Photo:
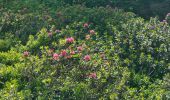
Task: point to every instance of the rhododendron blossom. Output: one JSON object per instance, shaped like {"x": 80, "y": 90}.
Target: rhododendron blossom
{"x": 63, "y": 53}
{"x": 26, "y": 53}
{"x": 72, "y": 52}
{"x": 92, "y": 32}
{"x": 86, "y": 25}
{"x": 93, "y": 75}
{"x": 70, "y": 40}
{"x": 80, "y": 48}
{"x": 56, "y": 56}
{"x": 87, "y": 58}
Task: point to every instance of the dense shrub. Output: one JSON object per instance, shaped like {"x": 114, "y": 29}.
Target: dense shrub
{"x": 87, "y": 68}
{"x": 144, "y": 47}
{"x": 166, "y": 85}
{"x": 74, "y": 52}
{"x": 7, "y": 40}
{"x": 24, "y": 23}
{"x": 21, "y": 25}
{"x": 96, "y": 16}
{"x": 144, "y": 8}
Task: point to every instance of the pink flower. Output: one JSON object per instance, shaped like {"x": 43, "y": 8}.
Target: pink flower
{"x": 80, "y": 48}
{"x": 63, "y": 53}
{"x": 26, "y": 53}
{"x": 72, "y": 52}
{"x": 93, "y": 75}
{"x": 55, "y": 56}
{"x": 92, "y": 32}
{"x": 87, "y": 58}
{"x": 50, "y": 34}
{"x": 70, "y": 40}
{"x": 86, "y": 25}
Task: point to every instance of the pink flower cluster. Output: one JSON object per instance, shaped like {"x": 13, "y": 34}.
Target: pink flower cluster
{"x": 92, "y": 32}
{"x": 72, "y": 53}
{"x": 87, "y": 58}
{"x": 26, "y": 53}
{"x": 80, "y": 48}
{"x": 86, "y": 25}
{"x": 92, "y": 75}
{"x": 70, "y": 40}
{"x": 56, "y": 56}
{"x": 69, "y": 52}
{"x": 63, "y": 53}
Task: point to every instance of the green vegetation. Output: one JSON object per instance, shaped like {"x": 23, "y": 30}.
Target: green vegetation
{"x": 144, "y": 8}
{"x": 58, "y": 50}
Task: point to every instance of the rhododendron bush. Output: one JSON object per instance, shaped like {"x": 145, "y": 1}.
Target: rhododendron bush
{"x": 93, "y": 56}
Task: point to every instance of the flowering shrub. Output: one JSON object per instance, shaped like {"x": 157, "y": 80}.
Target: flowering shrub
{"x": 89, "y": 68}
{"x": 70, "y": 40}
{"x": 100, "y": 54}
{"x": 55, "y": 56}
{"x": 87, "y": 58}
{"x": 22, "y": 24}
{"x": 26, "y": 54}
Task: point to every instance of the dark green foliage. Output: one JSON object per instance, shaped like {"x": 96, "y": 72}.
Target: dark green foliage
{"x": 22, "y": 24}
{"x": 145, "y": 8}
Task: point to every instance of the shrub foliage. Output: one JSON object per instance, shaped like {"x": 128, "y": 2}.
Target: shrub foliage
{"x": 79, "y": 53}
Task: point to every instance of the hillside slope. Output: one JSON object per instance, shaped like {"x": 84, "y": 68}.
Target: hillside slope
{"x": 83, "y": 53}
